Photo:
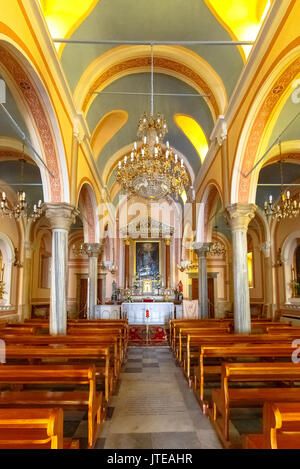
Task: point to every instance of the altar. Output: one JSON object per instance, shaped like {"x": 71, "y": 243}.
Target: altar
{"x": 159, "y": 313}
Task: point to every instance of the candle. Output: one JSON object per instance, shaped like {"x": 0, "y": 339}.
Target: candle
{"x": 135, "y": 145}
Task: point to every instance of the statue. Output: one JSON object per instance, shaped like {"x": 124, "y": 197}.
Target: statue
{"x": 180, "y": 291}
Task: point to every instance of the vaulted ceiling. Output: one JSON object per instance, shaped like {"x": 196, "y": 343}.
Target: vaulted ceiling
{"x": 178, "y": 69}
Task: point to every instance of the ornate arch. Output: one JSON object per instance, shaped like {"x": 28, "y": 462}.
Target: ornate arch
{"x": 210, "y": 197}
{"x": 176, "y": 61}
{"x": 87, "y": 204}
{"x": 39, "y": 115}
{"x": 249, "y": 148}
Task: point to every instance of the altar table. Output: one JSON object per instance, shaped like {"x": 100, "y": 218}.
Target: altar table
{"x": 159, "y": 313}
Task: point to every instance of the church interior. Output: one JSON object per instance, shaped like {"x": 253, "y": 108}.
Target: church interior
{"x": 149, "y": 224}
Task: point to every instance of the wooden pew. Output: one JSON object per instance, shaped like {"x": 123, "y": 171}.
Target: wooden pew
{"x": 18, "y": 329}
{"x": 195, "y": 341}
{"x": 205, "y": 331}
{"x": 247, "y": 373}
{"x": 54, "y": 375}
{"x": 283, "y": 329}
{"x": 281, "y": 427}
{"x": 70, "y": 340}
{"x": 202, "y": 323}
{"x": 114, "y": 334}
{"x": 33, "y": 429}
{"x": 254, "y": 351}
{"x": 57, "y": 354}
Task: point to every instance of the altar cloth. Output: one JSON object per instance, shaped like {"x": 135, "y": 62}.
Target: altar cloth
{"x": 159, "y": 313}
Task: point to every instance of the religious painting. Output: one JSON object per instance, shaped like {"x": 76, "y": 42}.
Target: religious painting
{"x": 147, "y": 259}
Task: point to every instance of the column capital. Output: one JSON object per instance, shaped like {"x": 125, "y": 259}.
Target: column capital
{"x": 201, "y": 249}
{"x": 60, "y": 215}
{"x": 266, "y": 248}
{"x": 167, "y": 241}
{"x": 93, "y": 249}
{"x": 241, "y": 215}
{"x": 127, "y": 241}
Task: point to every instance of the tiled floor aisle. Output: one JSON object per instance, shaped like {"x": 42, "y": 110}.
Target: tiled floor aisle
{"x": 154, "y": 408}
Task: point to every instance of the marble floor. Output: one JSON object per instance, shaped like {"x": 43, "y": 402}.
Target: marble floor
{"x": 153, "y": 408}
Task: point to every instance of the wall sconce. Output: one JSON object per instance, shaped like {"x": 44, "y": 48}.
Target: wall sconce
{"x": 17, "y": 262}
{"x": 278, "y": 261}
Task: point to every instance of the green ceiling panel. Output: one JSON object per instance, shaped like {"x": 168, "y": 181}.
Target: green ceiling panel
{"x": 152, "y": 20}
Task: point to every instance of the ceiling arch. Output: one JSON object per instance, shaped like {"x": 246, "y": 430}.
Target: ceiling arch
{"x": 107, "y": 127}
{"x": 175, "y": 61}
{"x": 195, "y": 107}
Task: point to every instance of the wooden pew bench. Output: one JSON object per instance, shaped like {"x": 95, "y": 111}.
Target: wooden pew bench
{"x": 33, "y": 429}
{"x": 192, "y": 323}
{"x": 62, "y": 354}
{"x": 49, "y": 375}
{"x": 233, "y": 353}
{"x": 203, "y": 331}
{"x": 281, "y": 427}
{"x": 195, "y": 342}
{"x": 70, "y": 340}
{"x": 107, "y": 336}
{"x": 251, "y": 395}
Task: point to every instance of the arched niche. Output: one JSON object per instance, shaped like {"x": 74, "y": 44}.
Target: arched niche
{"x": 288, "y": 252}
{"x": 8, "y": 256}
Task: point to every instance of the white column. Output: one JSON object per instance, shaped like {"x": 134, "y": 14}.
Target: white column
{"x": 61, "y": 216}
{"x": 268, "y": 277}
{"x": 201, "y": 250}
{"x": 92, "y": 250}
{"x": 27, "y": 279}
{"x": 241, "y": 215}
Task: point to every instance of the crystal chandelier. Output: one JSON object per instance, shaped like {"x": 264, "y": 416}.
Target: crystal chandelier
{"x": 288, "y": 207}
{"x": 21, "y": 208}
{"x": 152, "y": 170}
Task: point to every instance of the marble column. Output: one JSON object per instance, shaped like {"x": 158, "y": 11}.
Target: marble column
{"x": 61, "y": 216}
{"x": 27, "y": 280}
{"x": 93, "y": 251}
{"x": 240, "y": 216}
{"x": 201, "y": 250}
{"x": 127, "y": 273}
{"x": 268, "y": 278}
{"x": 168, "y": 267}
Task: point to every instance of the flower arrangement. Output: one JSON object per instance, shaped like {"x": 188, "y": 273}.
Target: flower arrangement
{"x": 2, "y": 289}
{"x": 296, "y": 287}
